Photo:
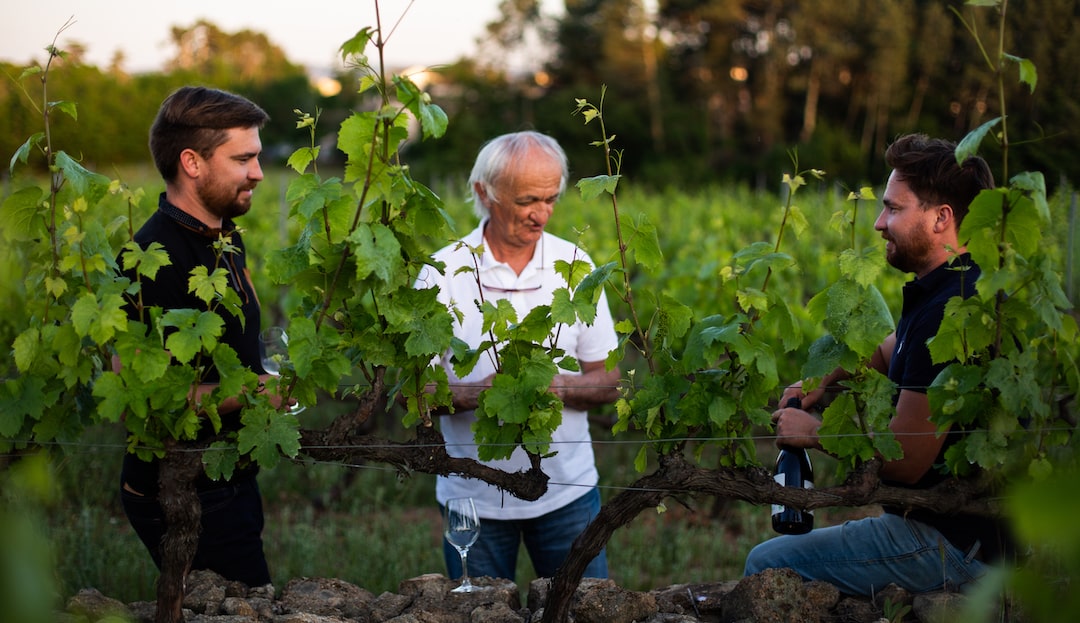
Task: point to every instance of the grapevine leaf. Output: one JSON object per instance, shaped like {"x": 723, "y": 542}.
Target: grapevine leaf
{"x": 1034, "y": 184}
{"x": 863, "y": 268}
{"x": 572, "y": 272}
{"x": 357, "y": 44}
{"x": 592, "y": 187}
{"x": 641, "y": 460}
{"x": 825, "y": 355}
{"x": 797, "y": 220}
{"x": 535, "y": 326}
{"x": 781, "y": 321}
{"x": 22, "y": 154}
{"x": 145, "y": 263}
{"x": 20, "y": 213}
{"x": 498, "y": 317}
{"x": 587, "y": 294}
{"x": 109, "y": 389}
{"x": 27, "y": 349}
{"x": 674, "y": 319}
{"x": 430, "y": 328}
{"x": 377, "y": 252}
{"x": 307, "y": 194}
{"x": 267, "y": 434}
{"x": 220, "y": 460}
{"x": 969, "y": 146}
{"x": 497, "y": 439}
{"x": 840, "y": 433}
{"x": 433, "y": 119}
{"x": 643, "y": 242}
{"x": 91, "y": 186}
{"x": 705, "y": 336}
{"x": 66, "y": 107}
{"x": 23, "y": 396}
{"x": 206, "y": 286}
{"x": 562, "y": 308}
{"x": 1028, "y": 74}
{"x": 302, "y": 158}
{"x": 855, "y": 315}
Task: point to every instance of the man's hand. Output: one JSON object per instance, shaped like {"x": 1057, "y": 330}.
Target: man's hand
{"x": 796, "y": 428}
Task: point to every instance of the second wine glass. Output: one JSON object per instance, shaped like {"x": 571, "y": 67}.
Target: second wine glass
{"x": 461, "y": 526}
{"x": 275, "y": 353}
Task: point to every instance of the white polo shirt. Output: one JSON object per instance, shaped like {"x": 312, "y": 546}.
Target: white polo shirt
{"x": 572, "y": 471}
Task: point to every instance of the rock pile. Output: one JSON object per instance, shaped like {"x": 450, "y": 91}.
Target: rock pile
{"x": 773, "y": 596}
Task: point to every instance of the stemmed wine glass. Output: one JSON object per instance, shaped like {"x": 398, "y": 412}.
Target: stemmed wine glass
{"x": 461, "y": 526}
{"x": 275, "y": 352}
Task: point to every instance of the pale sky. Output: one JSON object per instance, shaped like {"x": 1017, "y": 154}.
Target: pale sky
{"x": 310, "y": 31}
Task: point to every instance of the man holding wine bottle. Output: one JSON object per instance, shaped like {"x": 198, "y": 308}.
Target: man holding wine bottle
{"x": 515, "y": 182}
{"x": 205, "y": 143}
{"x": 925, "y": 199}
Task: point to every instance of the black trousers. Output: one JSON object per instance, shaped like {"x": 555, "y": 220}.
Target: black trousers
{"x": 230, "y": 540}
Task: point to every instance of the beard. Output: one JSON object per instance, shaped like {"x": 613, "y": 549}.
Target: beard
{"x": 225, "y": 200}
{"x": 910, "y": 254}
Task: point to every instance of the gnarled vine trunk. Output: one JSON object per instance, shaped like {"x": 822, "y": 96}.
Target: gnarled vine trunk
{"x": 179, "y": 501}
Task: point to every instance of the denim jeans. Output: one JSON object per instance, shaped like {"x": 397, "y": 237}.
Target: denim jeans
{"x": 863, "y": 556}
{"x": 230, "y": 538}
{"x": 547, "y": 539}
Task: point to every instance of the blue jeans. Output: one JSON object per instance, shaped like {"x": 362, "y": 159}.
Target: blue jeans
{"x": 230, "y": 538}
{"x": 864, "y": 556}
{"x": 547, "y": 539}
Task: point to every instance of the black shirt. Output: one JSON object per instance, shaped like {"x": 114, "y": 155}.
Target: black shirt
{"x": 190, "y": 243}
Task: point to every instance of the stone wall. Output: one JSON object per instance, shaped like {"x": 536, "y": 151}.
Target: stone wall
{"x": 773, "y": 596}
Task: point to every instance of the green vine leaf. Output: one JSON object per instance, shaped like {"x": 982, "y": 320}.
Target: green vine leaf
{"x": 90, "y": 186}
{"x": 593, "y": 187}
{"x": 268, "y": 434}
{"x": 20, "y": 214}
{"x": 22, "y": 154}
{"x": 969, "y": 146}
{"x": 1028, "y": 74}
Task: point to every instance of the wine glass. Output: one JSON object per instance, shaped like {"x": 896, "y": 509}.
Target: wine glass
{"x": 461, "y": 526}
{"x": 275, "y": 353}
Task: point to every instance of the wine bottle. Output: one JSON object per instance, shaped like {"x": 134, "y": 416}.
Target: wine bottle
{"x": 793, "y": 469}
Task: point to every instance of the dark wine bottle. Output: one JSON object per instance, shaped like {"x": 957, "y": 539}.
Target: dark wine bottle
{"x": 793, "y": 469}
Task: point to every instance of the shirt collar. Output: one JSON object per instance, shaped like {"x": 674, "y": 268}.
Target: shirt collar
{"x": 189, "y": 222}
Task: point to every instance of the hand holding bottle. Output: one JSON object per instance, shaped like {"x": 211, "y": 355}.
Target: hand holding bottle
{"x": 793, "y": 469}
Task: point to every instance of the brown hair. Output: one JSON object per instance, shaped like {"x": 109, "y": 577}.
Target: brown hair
{"x": 198, "y": 118}
{"x": 929, "y": 167}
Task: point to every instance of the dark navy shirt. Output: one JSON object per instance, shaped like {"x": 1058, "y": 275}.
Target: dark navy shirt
{"x": 912, "y": 369}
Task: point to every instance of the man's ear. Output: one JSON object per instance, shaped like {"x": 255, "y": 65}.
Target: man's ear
{"x": 944, "y": 218}
{"x": 190, "y": 162}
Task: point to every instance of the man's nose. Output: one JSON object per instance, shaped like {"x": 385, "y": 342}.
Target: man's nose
{"x": 256, "y": 172}
{"x": 879, "y": 224}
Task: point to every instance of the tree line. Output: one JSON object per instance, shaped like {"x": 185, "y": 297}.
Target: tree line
{"x": 704, "y": 91}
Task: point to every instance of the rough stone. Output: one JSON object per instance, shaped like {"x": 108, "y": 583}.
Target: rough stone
{"x": 938, "y": 607}
{"x": 90, "y": 603}
{"x": 389, "y": 605}
{"x": 327, "y": 597}
{"x": 851, "y": 610}
{"x": 606, "y": 602}
{"x": 495, "y": 613}
{"x": 772, "y": 596}
{"x": 205, "y": 591}
{"x": 696, "y": 599}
